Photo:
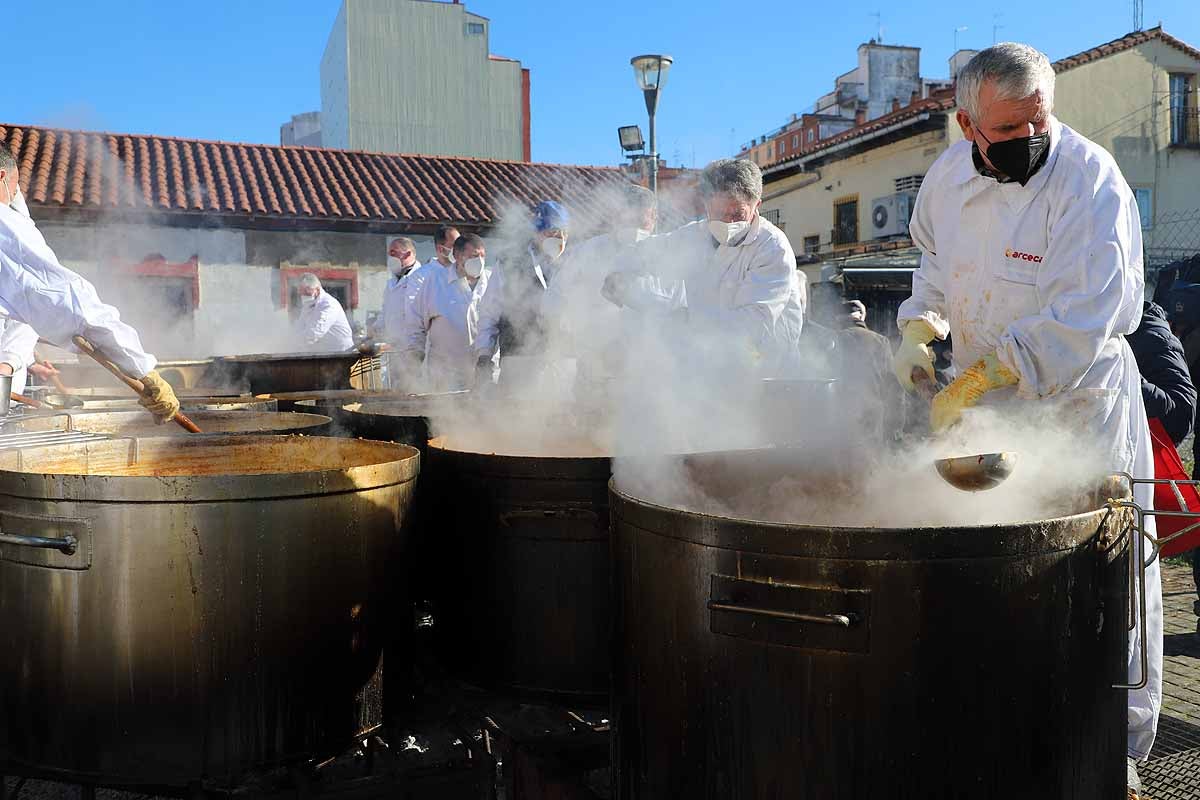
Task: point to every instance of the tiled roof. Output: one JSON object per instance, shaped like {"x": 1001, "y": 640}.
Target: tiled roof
{"x": 941, "y": 100}
{"x": 83, "y": 173}
{"x": 1126, "y": 42}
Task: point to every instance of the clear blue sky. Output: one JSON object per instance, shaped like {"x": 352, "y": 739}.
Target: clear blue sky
{"x": 235, "y": 70}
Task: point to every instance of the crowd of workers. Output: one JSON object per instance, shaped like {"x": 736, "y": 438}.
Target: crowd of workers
{"x": 1031, "y": 259}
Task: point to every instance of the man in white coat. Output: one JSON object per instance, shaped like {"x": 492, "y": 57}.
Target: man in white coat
{"x": 1031, "y": 256}
{"x": 322, "y": 326}
{"x": 733, "y": 274}
{"x": 58, "y": 303}
{"x": 450, "y": 323}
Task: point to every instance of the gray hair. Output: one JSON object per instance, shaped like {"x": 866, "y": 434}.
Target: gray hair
{"x": 7, "y": 160}
{"x": 1018, "y": 71}
{"x": 310, "y": 280}
{"x": 733, "y": 176}
{"x": 639, "y": 198}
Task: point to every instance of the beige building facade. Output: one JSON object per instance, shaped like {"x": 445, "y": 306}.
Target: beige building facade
{"x": 1135, "y": 96}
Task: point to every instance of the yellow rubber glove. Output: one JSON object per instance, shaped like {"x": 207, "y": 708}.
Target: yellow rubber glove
{"x": 982, "y": 377}
{"x": 159, "y": 398}
{"x": 914, "y": 352}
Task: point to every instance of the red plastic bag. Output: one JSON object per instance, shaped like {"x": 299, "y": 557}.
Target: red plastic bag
{"x": 1168, "y": 465}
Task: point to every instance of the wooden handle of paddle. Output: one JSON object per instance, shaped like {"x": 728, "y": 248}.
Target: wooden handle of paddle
{"x": 924, "y": 384}
{"x": 133, "y": 383}
{"x": 29, "y": 401}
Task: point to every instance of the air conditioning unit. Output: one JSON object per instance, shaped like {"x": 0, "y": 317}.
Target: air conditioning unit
{"x": 890, "y": 215}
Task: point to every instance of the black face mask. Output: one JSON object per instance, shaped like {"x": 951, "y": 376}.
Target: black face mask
{"x": 1018, "y": 159}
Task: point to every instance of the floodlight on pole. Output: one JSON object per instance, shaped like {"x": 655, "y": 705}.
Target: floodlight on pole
{"x": 630, "y": 137}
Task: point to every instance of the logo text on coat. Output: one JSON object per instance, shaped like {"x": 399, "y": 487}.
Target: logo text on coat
{"x": 1010, "y": 253}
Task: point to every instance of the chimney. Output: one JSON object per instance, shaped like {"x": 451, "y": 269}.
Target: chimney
{"x": 915, "y": 97}
{"x": 895, "y": 105}
{"x": 860, "y": 117}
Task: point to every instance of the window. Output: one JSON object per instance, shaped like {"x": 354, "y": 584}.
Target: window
{"x": 812, "y": 243}
{"x": 910, "y": 183}
{"x": 795, "y": 141}
{"x": 474, "y": 29}
{"x": 845, "y": 221}
{"x": 1184, "y": 118}
{"x": 773, "y": 216}
{"x": 812, "y": 134}
{"x": 1145, "y": 204}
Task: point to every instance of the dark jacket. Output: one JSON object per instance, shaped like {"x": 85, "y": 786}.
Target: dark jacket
{"x": 1167, "y": 388}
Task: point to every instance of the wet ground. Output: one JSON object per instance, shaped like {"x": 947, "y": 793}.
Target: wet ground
{"x": 531, "y": 752}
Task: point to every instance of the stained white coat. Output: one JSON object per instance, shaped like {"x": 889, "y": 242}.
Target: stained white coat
{"x": 1049, "y": 276}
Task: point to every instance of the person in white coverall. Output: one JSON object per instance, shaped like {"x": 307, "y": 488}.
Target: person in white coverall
{"x": 733, "y": 274}
{"x": 37, "y": 290}
{"x": 1031, "y": 256}
{"x": 450, "y": 321}
{"x": 406, "y": 275}
{"x": 322, "y": 326}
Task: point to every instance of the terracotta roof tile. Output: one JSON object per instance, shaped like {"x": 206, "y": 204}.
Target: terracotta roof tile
{"x": 92, "y": 172}
{"x": 1126, "y": 42}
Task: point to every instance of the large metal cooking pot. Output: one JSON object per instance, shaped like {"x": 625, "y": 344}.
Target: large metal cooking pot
{"x": 182, "y": 374}
{"x": 140, "y": 423}
{"x": 524, "y": 587}
{"x": 402, "y": 419}
{"x": 761, "y": 660}
{"x": 326, "y": 399}
{"x": 287, "y": 372}
{"x": 180, "y": 610}
{"x": 77, "y": 402}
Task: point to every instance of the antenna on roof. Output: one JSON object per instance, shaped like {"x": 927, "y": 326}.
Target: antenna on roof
{"x": 995, "y": 25}
{"x": 1138, "y": 24}
{"x": 878, "y": 15}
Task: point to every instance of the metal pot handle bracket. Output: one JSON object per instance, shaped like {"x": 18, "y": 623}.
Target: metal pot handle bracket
{"x": 1137, "y": 571}
{"x": 40, "y": 540}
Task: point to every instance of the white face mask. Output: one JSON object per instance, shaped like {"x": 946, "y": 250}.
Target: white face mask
{"x": 446, "y": 253}
{"x": 473, "y": 267}
{"x": 727, "y": 232}
{"x": 395, "y": 266}
{"x": 17, "y": 203}
{"x": 307, "y": 302}
{"x": 553, "y": 247}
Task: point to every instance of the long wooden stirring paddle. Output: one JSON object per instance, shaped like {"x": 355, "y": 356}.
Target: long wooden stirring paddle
{"x": 133, "y": 383}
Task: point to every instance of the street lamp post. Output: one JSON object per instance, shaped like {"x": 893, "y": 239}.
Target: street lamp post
{"x": 651, "y": 73}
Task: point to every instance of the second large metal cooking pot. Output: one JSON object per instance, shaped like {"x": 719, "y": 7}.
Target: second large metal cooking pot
{"x": 140, "y": 423}
{"x": 184, "y": 611}
{"x": 761, "y": 660}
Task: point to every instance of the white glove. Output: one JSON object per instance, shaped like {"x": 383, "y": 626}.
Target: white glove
{"x": 914, "y": 352}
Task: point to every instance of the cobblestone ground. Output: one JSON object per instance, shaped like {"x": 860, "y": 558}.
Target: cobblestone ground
{"x": 1174, "y": 769}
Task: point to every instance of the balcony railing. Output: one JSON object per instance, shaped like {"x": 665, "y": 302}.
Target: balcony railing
{"x": 1185, "y": 127}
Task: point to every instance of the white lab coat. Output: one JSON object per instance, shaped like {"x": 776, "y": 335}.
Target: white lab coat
{"x": 398, "y": 297}
{"x": 446, "y": 325}
{"x": 323, "y": 327}
{"x": 36, "y": 289}
{"x": 1049, "y": 277}
{"x": 748, "y": 292}
{"x": 17, "y": 342}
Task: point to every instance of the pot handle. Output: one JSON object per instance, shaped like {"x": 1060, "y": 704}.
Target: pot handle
{"x": 1138, "y": 564}
{"x": 66, "y": 545}
{"x": 38, "y": 540}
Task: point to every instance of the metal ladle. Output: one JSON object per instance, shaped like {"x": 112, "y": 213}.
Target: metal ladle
{"x": 975, "y": 473}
